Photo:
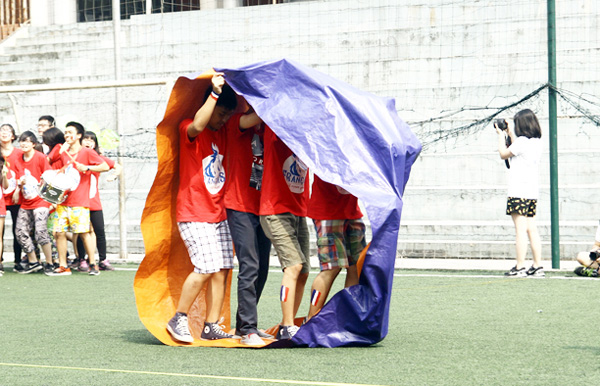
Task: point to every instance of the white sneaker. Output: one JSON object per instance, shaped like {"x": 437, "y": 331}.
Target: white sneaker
{"x": 252, "y": 339}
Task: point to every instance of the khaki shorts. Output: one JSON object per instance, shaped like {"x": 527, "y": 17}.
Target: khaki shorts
{"x": 289, "y": 235}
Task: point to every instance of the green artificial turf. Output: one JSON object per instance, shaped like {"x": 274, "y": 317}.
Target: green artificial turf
{"x": 454, "y": 330}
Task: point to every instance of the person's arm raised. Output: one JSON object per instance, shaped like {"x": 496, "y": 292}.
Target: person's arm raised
{"x": 205, "y": 112}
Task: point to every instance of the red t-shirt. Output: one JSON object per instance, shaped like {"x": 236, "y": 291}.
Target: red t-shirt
{"x": 239, "y": 195}
{"x": 95, "y": 203}
{"x": 330, "y": 202}
{"x": 32, "y": 171}
{"x": 2, "y": 207}
{"x": 201, "y": 176}
{"x": 80, "y": 197}
{"x": 285, "y": 179}
{"x": 11, "y": 163}
{"x": 54, "y": 157}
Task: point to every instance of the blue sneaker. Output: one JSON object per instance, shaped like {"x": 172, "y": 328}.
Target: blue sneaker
{"x": 178, "y": 328}
{"x": 213, "y": 331}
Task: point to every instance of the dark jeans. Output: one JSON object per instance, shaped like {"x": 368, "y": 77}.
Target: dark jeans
{"x": 252, "y": 248}
{"x": 97, "y": 220}
{"x": 14, "y": 213}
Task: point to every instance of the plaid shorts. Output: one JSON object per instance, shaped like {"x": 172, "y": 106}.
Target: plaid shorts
{"x": 339, "y": 242}
{"x": 209, "y": 245}
{"x": 522, "y": 206}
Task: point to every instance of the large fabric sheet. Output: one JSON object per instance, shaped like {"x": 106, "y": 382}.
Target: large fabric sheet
{"x": 353, "y": 139}
{"x": 347, "y": 137}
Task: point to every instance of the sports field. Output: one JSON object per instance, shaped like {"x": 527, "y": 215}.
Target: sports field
{"x": 446, "y": 328}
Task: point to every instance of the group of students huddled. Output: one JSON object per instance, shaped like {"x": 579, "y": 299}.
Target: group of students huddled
{"x": 74, "y": 159}
{"x": 240, "y": 184}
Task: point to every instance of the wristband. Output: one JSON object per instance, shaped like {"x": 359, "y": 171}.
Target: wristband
{"x": 214, "y": 95}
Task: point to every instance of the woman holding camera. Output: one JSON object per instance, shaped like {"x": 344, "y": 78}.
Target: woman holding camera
{"x": 524, "y": 155}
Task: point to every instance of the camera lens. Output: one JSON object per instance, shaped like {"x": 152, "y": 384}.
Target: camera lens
{"x": 501, "y": 124}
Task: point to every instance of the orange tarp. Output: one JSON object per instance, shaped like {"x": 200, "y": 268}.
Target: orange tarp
{"x": 160, "y": 276}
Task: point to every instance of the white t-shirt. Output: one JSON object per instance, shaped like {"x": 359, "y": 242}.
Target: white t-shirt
{"x": 524, "y": 168}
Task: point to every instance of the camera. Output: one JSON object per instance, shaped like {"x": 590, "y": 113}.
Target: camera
{"x": 501, "y": 124}
{"x": 594, "y": 255}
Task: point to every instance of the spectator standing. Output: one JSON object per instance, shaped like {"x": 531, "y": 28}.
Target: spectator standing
{"x": 11, "y": 156}
{"x": 74, "y": 213}
{"x": 33, "y": 213}
{"x": 4, "y": 183}
{"x": 45, "y": 122}
{"x": 96, "y": 216}
{"x": 524, "y": 154}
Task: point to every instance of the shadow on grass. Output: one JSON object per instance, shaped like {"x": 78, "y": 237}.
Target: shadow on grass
{"x": 141, "y": 337}
{"x": 592, "y": 349}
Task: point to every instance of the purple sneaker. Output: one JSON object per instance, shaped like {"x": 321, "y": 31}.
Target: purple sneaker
{"x": 83, "y": 266}
{"x": 106, "y": 266}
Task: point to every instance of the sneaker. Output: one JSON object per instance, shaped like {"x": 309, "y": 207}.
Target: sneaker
{"x": 1, "y": 268}
{"x": 287, "y": 332}
{"x": 94, "y": 270}
{"x": 106, "y": 266}
{"x": 48, "y": 268}
{"x": 264, "y": 335}
{"x": 252, "y": 339}
{"x": 73, "y": 264}
{"x": 30, "y": 268}
{"x": 83, "y": 266}
{"x": 522, "y": 272}
{"x": 60, "y": 271}
{"x": 178, "y": 328}
{"x": 18, "y": 268}
{"x": 213, "y": 331}
{"x": 536, "y": 272}
{"x": 585, "y": 271}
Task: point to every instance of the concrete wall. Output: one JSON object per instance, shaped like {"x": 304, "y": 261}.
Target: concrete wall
{"x": 447, "y": 65}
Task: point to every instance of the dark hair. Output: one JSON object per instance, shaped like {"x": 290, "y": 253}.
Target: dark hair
{"x": 48, "y": 118}
{"x": 28, "y": 135}
{"x": 91, "y": 135}
{"x": 527, "y": 125}
{"x": 14, "y": 134}
{"x": 227, "y": 99}
{"x": 79, "y": 127}
{"x": 52, "y": 137}
{"x": 38, "y": 147}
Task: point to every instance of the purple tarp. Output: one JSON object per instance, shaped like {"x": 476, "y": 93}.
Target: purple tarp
{"x": 353, "y": 139}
